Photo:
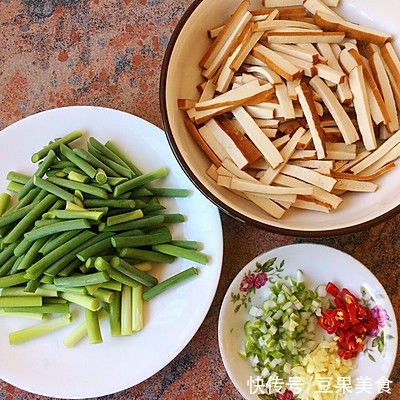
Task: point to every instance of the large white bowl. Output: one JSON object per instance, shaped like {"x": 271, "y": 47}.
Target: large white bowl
{"x": 181, "y": 74}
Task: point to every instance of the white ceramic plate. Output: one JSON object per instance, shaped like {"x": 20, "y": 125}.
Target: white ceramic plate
{"x": 44, "y": 366}
{"x": 320, "y": 265}
{"x": 181, "y": 75}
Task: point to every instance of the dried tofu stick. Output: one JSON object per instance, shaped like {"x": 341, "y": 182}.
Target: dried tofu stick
{"x": 308, "y": 68}
{"x": 355, "y": 186}
{"x": 241, "y": 141}
{"x": 208, "y": 91}
{"x": 208, "y": 135}
{"x": 354, "y": 31}
{"x": 312, "y": 205}
{"x": 227, "y": 143}
{"x": 268, "y": 123}
{"x": 279, "y": 143}
{"x": 186, "y": 104}
{"x": 212, "y": 172}
{"x": 389, "y": 157}
{"x": 310, "y": 112}
{"x": 330, "y": 74}
{"x": 307, "y": 175}
{"x": 305, "y": 141}
{"x": 296, "y": 51}
{"x": 318, "y": 193}
{"x": 264, "y": 26}
{"x": 286, "y": 198}
{"x": 347, "y": 165}
{"x": 260, "y": 164}
{"x": 283, "y": 11}
{"x": 250, "y": 42}
{"x": 361, "y": 104}
{"x": 261, "y": 112}
{"x": 264, "y": 145}
{"x": 305, "y": 37}
{"x": 269, "y": 174}
{"x": 201, "y": 142}
{"x": 326, "y": 164}
{"x": 285, "y": 102}
{"x": 382, "y": 79}
{"x": 392, "y": 60}
{"x": 277, "y": 63}
{"x": 351, "y": 58}
{"x": 253, "y": 187}
{"x": 269, "y": 206}
{"x": 314, "y": 6}
{"x": 226, "y": 74}
{"x": 331, "y": 3}
{"x": 214, "y": 32}
{"x": 304, "y": 155}
{"x": 253, "y": 61}
{"x": 364, "y": 177}
{"x": 346, "y": 148}
{"x": 227, "y": 34}
{"x": 203, "y": 116}
{"x": 395, "y": 85}
{"x": 263, "y": 73}
{"x": 229, "y": 165}
{"x": 236, "y": 96}
{"x": 339, "y": 155}
{"x": 282, "y": 3}
{"x": 341, "y": 118}
{"x": 227, "y": 47}
{"x": 291, "y": 87}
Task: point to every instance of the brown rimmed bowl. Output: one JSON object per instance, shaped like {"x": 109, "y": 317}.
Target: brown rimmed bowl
{"x": 179, "y": 77}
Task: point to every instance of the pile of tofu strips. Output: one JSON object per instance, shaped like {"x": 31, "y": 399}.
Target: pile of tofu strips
{"x": 296, "y": 105}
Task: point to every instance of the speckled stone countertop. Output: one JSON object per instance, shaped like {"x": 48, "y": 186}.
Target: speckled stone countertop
{"x": 108, "y": 53}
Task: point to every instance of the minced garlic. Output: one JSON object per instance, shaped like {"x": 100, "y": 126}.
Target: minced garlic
{"x": 323, "y": 365}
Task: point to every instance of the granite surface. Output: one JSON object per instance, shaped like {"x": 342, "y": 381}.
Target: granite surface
{"x": 108, "y": 53}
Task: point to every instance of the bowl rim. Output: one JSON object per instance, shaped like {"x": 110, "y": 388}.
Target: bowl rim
{"x": 207, "y": 193}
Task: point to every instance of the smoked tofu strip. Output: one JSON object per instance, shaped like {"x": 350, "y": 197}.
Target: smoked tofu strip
{"x": 361, "y": 104}
{"x": 259, "y": 139}
{"x": 337, "y": 111}
{"x": 310, "y": 112}
{"x": 277, "y": 63}
{"x": 309, "y": 176}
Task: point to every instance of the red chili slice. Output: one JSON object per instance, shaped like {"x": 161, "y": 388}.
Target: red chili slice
{"x": 332, "y": 289}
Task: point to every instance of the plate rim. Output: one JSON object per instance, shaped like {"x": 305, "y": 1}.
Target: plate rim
{"x": 207, "y": 193}
{"x": 225, "y": 303}
{"x": 219, "y": 258}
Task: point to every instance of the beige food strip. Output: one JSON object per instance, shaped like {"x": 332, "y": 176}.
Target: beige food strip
{"x": 282, "y": 3}
{"x": 271, "y": 133}
{"x": 339, "y": 155}
{"x": 252, "y": 187}
{"x": 226, "y": 75}
{"x": 377, "y": 154}
{"x": 209, "y": 137}
{"x": 285, "y": 101}
{"x": 338, "y": 113}
{"x": 213, "y": 62}
{"x": 296, "y": 51}
{"x": 208, "y": 92}
{"x": 313, "y": 163}
{"x": 354, "y": 31}
{"x": 314, "y": 6}
{"x": 287, "y": 198}
{"x": 260, "y": 112}
{"x": 318, "y": 193}
{"x": 304, "y": 155}
{"x": 324, "y": 182}
{"x": 264, "y": 73}
{"x": 277, "y": 63}
{"x": 390, "y": 156}
{"x": 355, "y": 186}
{"x": 269, "y": 174}
{"x": 361, "y": 105}
{"x": 259, "y": 139}
{"x": 264, "y": 26}
{"x": 280, "y": 142}
{"x": 310, "y": 112}
{"x": 233, "y": 96}
{"x": 306, "y": 204}
{"x": 383, "y": 82}
{"x": 212, "y": 172}
{"x": 305, "y": 37}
